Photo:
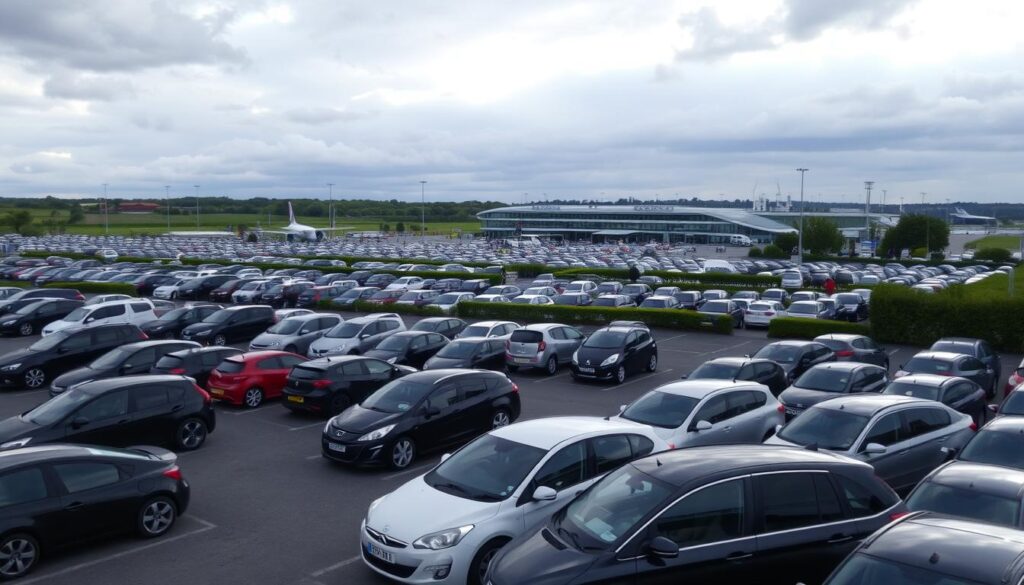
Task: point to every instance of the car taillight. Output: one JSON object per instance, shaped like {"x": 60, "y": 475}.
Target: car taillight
{"x": 321, "y": 383}
{"x": 79, "y": 297}
{"x": 173, "y": 473}
{"x": 844, "y": 353}
{"x": 207, "y": 399}
{"x": 781, "y": 408}
{"x": 515, "y": 388}
{"x": 541, "y": 346}
{"x": 176, "y": 371}
{"x": 973, "y": 426}
{"x": 671, "y": 445}
{"x": 142, "y": 335}
{"x": 897, "y": 515}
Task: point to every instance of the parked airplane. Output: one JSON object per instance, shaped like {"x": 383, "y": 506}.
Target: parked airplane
{"x": 293, "y": 232}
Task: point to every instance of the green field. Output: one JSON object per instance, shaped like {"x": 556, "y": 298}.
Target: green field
{"x": 1011, "y": 243}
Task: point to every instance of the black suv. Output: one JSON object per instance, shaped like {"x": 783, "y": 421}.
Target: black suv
{"x": 133, "y": 410}
{"x": 195, "y": 363}
{"x": 200, "y": 288}
{"x": 59, "y": 352}
{"x": 282, "y": 296}
{"x": 231, "y": 324}
{"x": 613, "y": 352}
{"x": 171, "y": 323}
{"x": 36, "y": 315}
{"x": 222, "y": 294}
{"x": 330, "y": 385}
{"x": 129, "y": 359}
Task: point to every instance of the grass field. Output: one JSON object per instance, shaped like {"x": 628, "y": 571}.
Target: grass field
{"x": 1011, "y": 243}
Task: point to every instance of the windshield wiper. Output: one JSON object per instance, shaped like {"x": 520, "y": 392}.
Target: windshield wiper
{"x": 452, "y": 486}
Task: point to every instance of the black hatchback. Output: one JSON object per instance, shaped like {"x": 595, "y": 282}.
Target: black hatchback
{"x": 795, "y": 356}
{"x": 36, "y": 315}
{"x": 332, "y": 384}
{"x": 59, "y": 495}
{"x": 127, "y": 360}
{"x": 409, "y": 348}
{"x": 195, "y": 363}
{"x": 726, "y": 514}
{"x": 420, "y": 412}
{"x": 240, "y": 323}
{"x": 171, "y": 323}
{"x": 614, "y": 352}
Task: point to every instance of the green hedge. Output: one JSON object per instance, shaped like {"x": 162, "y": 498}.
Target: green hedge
{"x": 710, "y": 278}
{"x": 884, "y": 261}
{"x": 17, "y": 283}
{"x": 797, "y": 328}
{"x": 107, "y": 288}
{"x": 667, "y": 318}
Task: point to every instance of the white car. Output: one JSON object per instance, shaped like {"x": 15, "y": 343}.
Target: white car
{"x": 450, "y": 522}
{"x": 807, "y": 310}
{"x": 250, "y": 290}
{"x": 106, "y": 298}
{"x": 107, "y": 254}
{"x": 491, "y": 299}
{"x": 247, "y": 273}
{"x": 488, "y": 329}
{"x": 761, "y": 313}
{"x": 533, "y": 300}
{"x": 136, "y": 311}
{"x": 406, "y": 283}
{"x": 169, "y": 291}
{"x": 447, "y": 301}
{"x": 792, "y": 279}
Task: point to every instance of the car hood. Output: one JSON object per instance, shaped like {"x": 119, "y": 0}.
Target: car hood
{"x": 357, "y": 419}
{"x": 155, "y": 325}
{"x": 595, "y": 355}
{"x": 331, "y": 343}
{"x": 268, "y": 338}
{"x": 16, "y": 427}
{"x": 17, "y": 356}
{"x": 59, "y": 325}
{"x": 440, "y": 363}
{"x": 775, "y": 440}
{"x": 416, "y": 510}
{"x": 532, "y": 559}
{"x": 804, "y": 398}
{"x": 79, "y": 375}
{"x": 197, "y": 327}
{"x": 383, "y": 354}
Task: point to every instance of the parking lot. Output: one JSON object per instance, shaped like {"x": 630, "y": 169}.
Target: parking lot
{"x": 266, "y": 508}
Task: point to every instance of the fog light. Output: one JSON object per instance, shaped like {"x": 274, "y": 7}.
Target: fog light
{"x": 440, "y": 571}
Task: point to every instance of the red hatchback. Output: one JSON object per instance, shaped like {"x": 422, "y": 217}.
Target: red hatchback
{"x": 253, "y": 377}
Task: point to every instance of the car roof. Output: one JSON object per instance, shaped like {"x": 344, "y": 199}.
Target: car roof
{"x": 203, "y": 349}
{"x": 1004, "y": 482}
{"x": 682, "y": 466}
{"x": 117, "y": 302}
{"x": 793, "y": 343}
{"x": 844, "y": 366}
{"x": 700, "y": 388}
{"x": 258, "y": 355}
{"x": 1005, "y": 424}
{"x": 155, "y": 343}
{"x": 737, "y": 361}
{"x": 435, "y": 376}
{"x": 244, "y": 307}
{"x": 541, "y": 326}
{"x": 939, "y": 355}
{"x": 14, "y": 457}
{"x": 307, "y": 316}
{"x": 545, "y": 433}
{"x": 847, "y": 337}
{"x": 933, "y": 380}
{"x": 868, "y": 404}
{"x": 108, "y": 384}
{"x": 964, "y": 340}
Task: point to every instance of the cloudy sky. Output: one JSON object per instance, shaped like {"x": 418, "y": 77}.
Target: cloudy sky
{"x": 491, "y": 100}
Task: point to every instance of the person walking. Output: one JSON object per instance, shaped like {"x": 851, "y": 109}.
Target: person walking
{"x": 830, "y": 286}
{"x": 634, "y": 273}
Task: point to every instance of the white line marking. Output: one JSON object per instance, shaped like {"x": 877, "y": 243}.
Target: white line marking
{"x": 334, "y": 567}
{"x": 407, "y": 471}
{"x": 546, "y": 378}
{"x": 640, "y": 379}
{"x": 309, "y": 426}
{"x": 241, "y": 412}
{"x": 207, "y": 526}
{"x": 893, "y": 352}
{"x": 673, "y": 337}
{"x": 312, "y": 457}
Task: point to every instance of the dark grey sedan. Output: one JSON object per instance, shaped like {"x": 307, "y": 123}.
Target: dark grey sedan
{"x": 294, "y": 334}
{"x": 827, "y": 381}
{"x": 978, "y": 348}
{"x": 949, "y": 364}
{"x": 987, "y": 493}
{"x": 855, "y": 348}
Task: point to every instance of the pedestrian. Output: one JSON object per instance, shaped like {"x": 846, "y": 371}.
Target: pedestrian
{"x": 503, "y": 275}
{"x": 830, "y": 286}
{"x": 634, "y": 273}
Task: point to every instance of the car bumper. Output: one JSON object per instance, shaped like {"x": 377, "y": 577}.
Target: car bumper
{"x": 369, "y": 453}
{"x": 231, "y": 395}
{"x": 758, "y": 321}
{"x": 413, "y": 565}
{"x": 532, "y": 360}
{"x": 593, "y": 373}
{"x": 316, "y": 402}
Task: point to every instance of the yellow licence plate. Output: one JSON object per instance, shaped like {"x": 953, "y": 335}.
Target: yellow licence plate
{"x": 216, "y": 391}
{"x": 298, "y": 399}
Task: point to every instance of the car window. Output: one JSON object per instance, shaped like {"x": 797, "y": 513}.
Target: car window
{"x": 764, "y": 370}
{"x": 147, "y": 397}
{"x": 445, "y": 396}
{"x": 495, "y": 346}
{"x": 573, "y": 334}
{"x": 21, "y": 486}
{"x": 142, "y": 357}
{"x": 108, "y": 312}
{"x": 885, "y": 431}
{"x": 472, "y": 387}
{"x": 389, "y": 325}
{"x": 641, "y": 445}
{"x": 921, "y": 421}
{"x": 713, "y": 514}
{"x": 859, "y": 343}
{"x": 80, "y": 341}
{"x": 87, "y": 475}
{"x": 140, "y": 307}
{"x": 861, "y": 500}
{"x": 354, "y": 368}
{"x": 744, "y": 401}
{"x": 984, "y": 350}
{"x": 971, "y": 364}
{"x": 714, "y": 410}
{"x": 558, "y": 333}
{"x": 435, "y": 339}
{"x": 746, "y": 373}
{"x": 958, "y": 392}
{"x": 211, "y": 358}
{"x": 290, "y": 361}
{"x": 872, "y": 376}
{"x": 610, "y": 452}
{"x": 105, "y": 407}
{"x": 418, "y": 342}
{"x": 795, "y": 500}
{"x": 565, "y": 468}
{"x": 271, "y": 363}
{"x": 104, "y": 336}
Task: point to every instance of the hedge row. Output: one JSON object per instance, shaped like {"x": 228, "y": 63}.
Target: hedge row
{"x": 883, "y": 261}
{"x": 15, "y": 283}
{"x": 712, "y": 278}
{"x": 797, "y": 328}
{"x": 667, "y": 318}
{"x": 107, "y": 288}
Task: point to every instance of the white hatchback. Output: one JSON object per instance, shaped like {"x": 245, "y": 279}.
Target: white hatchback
{"x": 135, "y": 311}
{"x": 761, "y": 313}
{"x": 450, "y": 522}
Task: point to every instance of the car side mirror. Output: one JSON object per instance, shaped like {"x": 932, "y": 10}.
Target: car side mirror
{"x": 79, "y": 422}
{"x": 90, "y": 319}
{"x": 431, "y": 411}
{"x": 663, "y": 548}
{"x": 126, "y": 368}
{"x": 703, "y": 425}
{"x": 949, "y": 452}
{"x": 63, "y": 349}
{"x": 446, "y": 457}
{"x": 875, "y": 449}
{"x": 622, "y": 407}
{"x": 684, "y": 376}
{"x": 777, "y": 429}
{"x": 993, "y": 408}
{"x": 364, "y": 335}
{"x": 544, "y": 493}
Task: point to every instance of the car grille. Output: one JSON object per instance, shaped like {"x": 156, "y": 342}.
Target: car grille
{"x": 385, "y": 539}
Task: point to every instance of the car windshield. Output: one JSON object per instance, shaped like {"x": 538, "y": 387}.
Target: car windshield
{"x": 713, "y": 371}
{"x": 526, "y": 336}
{"x": 287, "y": 326}
{"x": 824, "y": 380}
{"x": 409, "y": 296}
{"x": 634, "y": 289}
{"x": 57, "y": 408}
{"x": 475, "y": 331}
{"x": 351, "y": 293}
{"x": 687, "y": 297}
{"x": 173, "y": 314}
{"x": 952, "y": 347}
{"x": 397, "y": 396}
{"x": 862, "y": 569}
{"x": 567, "y": 299}
{"x": 218, "y": 317}
{"x": 1014, "y": 404}
{"x": 77, "y": 315}
{"x": 716, "y": 307}
{"x": 251, "y": 285}
{"x": 916, "y": 390}
{"x": 834, "y": 344}
{"x": 274, "y": 290}
{"x": 968, "y": 503}
{"x": 27, "y": 309}
{"x": 660, "y": 409}
{"x": 395, "y": 343}
{"x": 827, "y": 428}
{"x": 610, "y": 509}
{"x": 657, "y": 303}
{"x": 110, "y": 359}
{"x": 447, "y": 299}
{"x": 1005, "y": 448}
{"x": 922, "y": 365}
{"x": 230, "y": 366}
{"x": 487, "y": 470}
{"x": 782, "y": 354}
{"x": 49, "y": 342}
{"x": 605, "y": 340}
{"x": 458, "y": 349}
{"x": 804, "y": 308}
{"x": 344, "y": 331}
{"x": 848, "y": 299}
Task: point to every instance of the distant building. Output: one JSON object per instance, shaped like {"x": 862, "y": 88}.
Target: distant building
{"x": 137, "y": 207}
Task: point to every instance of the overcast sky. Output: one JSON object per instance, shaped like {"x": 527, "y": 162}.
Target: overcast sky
{"x": 491, "y": 100}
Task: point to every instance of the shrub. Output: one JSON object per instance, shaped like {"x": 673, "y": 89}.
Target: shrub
{"x": 755, "y": 252}
{"x": 795, "y": 327}
{"x": 107, "y": 288}
{"x": 773, "y": 251}
{"x": 708, "y": 278}
{"x": 921, "y": 252}
{"x": 16, "y": 283}
{"x": 993, "y": 254}
{"x": 667, "y": 318}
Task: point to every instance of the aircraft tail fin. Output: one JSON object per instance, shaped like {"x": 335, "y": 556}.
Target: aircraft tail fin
{"x": 291, "y": 214}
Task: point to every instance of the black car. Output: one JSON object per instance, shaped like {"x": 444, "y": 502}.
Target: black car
{"x": 960, "y": 394}
{"x": 574, "y": 299}
{"x": 284, "y": 295}
{"x": 330, "y": 385}
{"x": 349, "y": 297}
{"x": 447, "y": 285}
{"x": 196, "y": 363}
{"x": 171, "y": 323}
{"x": 23, "y": 298}
{"x": 762, "y": 371}
{"x": 144, "y": 285}
{"x": 62, "y": 351}
{"x": 851, "y": 307}
{"x": 222, "y": 294}
{"x": 361, "y": 276}
{"x": 240, "y": 323}
{"x": 726, "y": 514}
{"x": 469, "y": 352}
{"x": 447, "y": 326}
{"x": 476, "y": 286}
{"x": 420, "y": 412}
{"x": 714, "y": 309}
{"x": 200, "y": 288}
{"x": 380, "y": 281}
{"x": 976, "y": 348}
{"x": 795, "y": 356}
{"x": 409, "y": 348}
{"x": 129, "y": 359}
{"x": 636, "y": 292}
{"x": 829, "y": 380}
{"x": 59, "y": 495}
{"x": 614, "y": 352}
{"x": 36, "y": 315}
{"x": 117, "y": 412}
{"x": 925, "y": 548}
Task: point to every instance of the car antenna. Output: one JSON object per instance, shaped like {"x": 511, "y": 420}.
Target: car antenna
{"x": 658, "y": 461}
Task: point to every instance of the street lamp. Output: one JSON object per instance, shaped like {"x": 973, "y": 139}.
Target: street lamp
{"x": 927, "y": 228}
{"x": 423, "y": 209}
{"x": 106, "y": 212}
{"x": 800, "y": 235}
{"x": 867, "y": 211}
{"x": 330, "y": 204}
{"x": 167, "y": 200}
{"x": 197, "y": 205}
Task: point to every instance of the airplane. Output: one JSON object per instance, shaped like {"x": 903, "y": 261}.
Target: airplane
{"x": 293, "y": 232}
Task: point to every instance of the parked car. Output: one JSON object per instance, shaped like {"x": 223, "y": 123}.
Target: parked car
{"x": 903, "y": 438}
{"x": 106, "y": 298}
{"x": 792, "y": 279}
{"x": 170, "y": 324}
{"x": 147, "y": 283}
{"x": 539, "y": 465}
{"x": 409, "y": 348}
{"x": 830, "y": 380}
{"x": 717, "y": 308}
{"x": 352, "y": 295}
{"x": 447, "y": 285}
{"x": 295, "y": 334}
{"x": 356, "y": 336}
{"x": 775, "y": 294}
{"x": 330, "y": 385}
{"x": 450, "y": 327}
{"x": 418, "y": 298}
{"x": 251, "y": 291}
{"x": 690, "y": 299}
{"x": 762, "y": 371}
{"x": 231, "y": 324}
{"x": 169, "y": 291}
{"x": 574, "y": 299}
{"x": 619, "y": 300}
{"x": 949, "y": 364}
{"x": 43, "y": 483}
{"x": 447, "y": 301}
{"x": 857, "y": 348}
{"x": 614, "y": 352}
{"x": 51, "y": 356}
{"x": 135, "y": 312}
{"x": 659, "y": 302}
{"x": 252, "y": 378}
{"x": 761, "y": 313}
{"x": 545, "y": 345}
{"x": 418, "y": 413}
{"x": 999, "y": 443}
{"x": 35, "y": 315}
{"x": 976, "y": 348}
{"x": 201, "y": 287}
{"x": 851, "y": 307}
{"x": 974, "y": 491}
{"x": 284, "y": 295}
{"x": 636, "y": 292}
{"x": 960, "y": 394}
{"x": 526, "y": 299}
{"x": 470, "y": 352}
{"x": 222, "y": 293}
{"x": 406, "y": 283}
{"x": 196, "y": 363}
{"x": 795, "y": 356}
{"x": 724, "y": 514}
{"x": 807, "y": 310}
{"x": 127, "y": 360}
{"x": 310, "y": 297}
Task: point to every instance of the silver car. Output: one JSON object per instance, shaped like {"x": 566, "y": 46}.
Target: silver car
{"x": 544, "y": 345}
{"x": 294, "y": 334}
{"x": 855, "y": 348}
{"x": 488, "y": 329}
{"x": 903, "y": 438}
{"x": 355, "y": 336}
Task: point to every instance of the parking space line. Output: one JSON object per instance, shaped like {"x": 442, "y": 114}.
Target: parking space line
{"x": 661, "y": 349}
{"x": 239, "y": 412}
{"x": 334, "y": 567}
{"x": 207, "y": 526}
{"x": 893, "y": 352}
{"x": 673, "y": 337}
{"x": 634, "y": 380}
{"x": 317, "y": 456}
{"x": 408, "y": 471}
{"x": 309, "y": 426}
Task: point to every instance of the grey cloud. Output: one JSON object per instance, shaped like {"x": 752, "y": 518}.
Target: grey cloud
{"x": 712, "y": 40}
{"x": 318, "y": 115}
{"x": 804, "y": 20}
{"x": 983, "y": 87}
{"x": 76, "y": 86}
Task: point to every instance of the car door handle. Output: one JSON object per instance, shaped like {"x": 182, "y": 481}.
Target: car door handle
{"x": 177, "y": 407}
{"x": 739, "y": 556}
{"x": 74, "y": 506}
{"x": 941, "y": 439}
{"x": 840, "y": 538}
{"x": 124, "y": 421}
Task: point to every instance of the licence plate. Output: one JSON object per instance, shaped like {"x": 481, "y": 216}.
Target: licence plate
{"x": 522, "y": 360}
{"x": 216, "y": 391}
{"x": 792, "y": 412}
{"x": 586, "y": 370}
{"x": 298, "y": 399}
{"x": 380, "y": 553}
{"x": 336, "y": 447}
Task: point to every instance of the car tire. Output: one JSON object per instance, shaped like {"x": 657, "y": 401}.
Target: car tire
{"x": 402, "y": 453}
{"x": 156, "y": 516}
{"x": 652, "y": 363}
{"x": 482, "y": 560}
{"x": 191, "y": 434}
{"x": 620, "y": 374}
{"x": 339, "y": 403}
{"x": 174, "y": 295}
{"x": 35, "y": 378}
{"x": 253, "y": 397}
{"x": 19, "y": 553}
{"x": 501, "y": 418}
{"x": 26, "y": 329}
{"x": 219, "y": 339}
{"x": 552, "y": 366}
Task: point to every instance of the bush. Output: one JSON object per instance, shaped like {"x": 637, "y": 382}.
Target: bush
{"x": 787, "y": 241}
{"x": 919, "y": 252}
{"x": 755, "y": 252}
{"x": 667, "y": 318}
{"x": 708, "y": 278}
{"x": 775, "y": 252}
{"x": 797, "y": 328}
{"x": 15, "y": 283}
{"x": 993, "y": 254}
{"x": 107, "y": 288}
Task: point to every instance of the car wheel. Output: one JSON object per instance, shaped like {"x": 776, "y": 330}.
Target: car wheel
{"x": 156, "y": 517}
{"x": 501, "y": 418}
{"x": 482, "y": 561}
{"x": 35, "y": 378}
{"x": 220, "y": 340}
{"x": 174, "y": 295}
{"x": 652, "y": 364}
{"x": 403, "y": 453}
{"x": 26, "y": 329}
{"x": 191, "y": 434}
{"x": 620, "y": 375}
{"x": 19, "y": 554}
{"x": 253, "y": 397}
{"x": 339, "y": 403}
{"x": 552, "y": 366}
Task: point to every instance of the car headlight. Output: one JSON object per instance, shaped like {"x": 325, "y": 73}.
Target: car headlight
{"x": 11, "y": 367}
{"x": 14, "y": 444}
{"x": 610, "y": 359}
{"x": 9, "y": 322}
{"x": 443, "y": 539}
{"x": 274, "y": 344}
{"x": 392, "y": 360}
{"x": 377, "y": 434}
{"x": 576, "y": 357}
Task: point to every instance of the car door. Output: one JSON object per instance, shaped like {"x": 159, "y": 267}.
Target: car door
{"x": 444, "y": 420}
{"x": 279, "y": 376}
{"x": 966, "y": 397}
{"x": 254, "y": 322}
{"x": 631, "y": 357}
{"x": 152, "y": 410}
{"x": 476, "y": 404}
{"x": 973, "y": 369}
{"x": 416, "y": 352}
{"x": 574, "y": 339}
{"x": 96, "y": 496}
{"x": 713, "y": 409}
{"x": 105, "y": 315}
{"x": 567, "y": 471}
{"x": 559, "y": 344}
{"x": 102, "y": 421}
{"x": 79, "y": 349}
{"x": 26, "y": 492}
{"x": 926, "y": 435}
{"x": 868, "y": 351}
{"x": 888, "y": 431}
{"x": 875, "y": 380}
{"x": 746, "y": 416}
{"x": 377, "y": 374}
{"x": 368, "y": 337}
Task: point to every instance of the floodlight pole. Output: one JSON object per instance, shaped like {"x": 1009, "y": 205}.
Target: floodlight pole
{"x": 800, "y": 235}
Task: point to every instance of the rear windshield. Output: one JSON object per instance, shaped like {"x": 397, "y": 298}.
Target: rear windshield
{"x": 306, "y": 373}
{"x": 835, "y": 344}
{"x": 526, "y": 336}
{"x": 230, "y": 367}
{"x": 921, "y": 365}
{"x": 953, "y": 347}
{"x": 716, "y": 307}
{"x": 447, "y": 299}
{"x": 660, "y": 409}
{"x": 804, "y": 308}
{"x": 395, "y": 343}
{"x": 779, "y": 353}
{"x": 915, "y": 390}
{"x": 713, "y": 371}
{"x": 1014, "y": 404}
{"x": 824, "y": 380}
{"x": 967, "y": 503}
{"x": 848, "y": 299}
{"x": 169, "y": 362}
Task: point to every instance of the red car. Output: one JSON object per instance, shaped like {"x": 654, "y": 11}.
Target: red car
{"x": 1016, "y": 378}
{"x": 253, "y": 377}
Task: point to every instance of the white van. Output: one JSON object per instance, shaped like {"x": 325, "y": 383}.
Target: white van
{"x": 135, "y": 311}
{"x": 740, "y": 240}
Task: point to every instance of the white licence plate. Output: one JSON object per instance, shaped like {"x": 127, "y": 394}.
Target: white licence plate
{"x": 380, "y": 553}
{"x": 586, "y": 370}
{"x": 792, "y": 412}
{"x": 522, "y": 360}
{"x": 336, "y": 447}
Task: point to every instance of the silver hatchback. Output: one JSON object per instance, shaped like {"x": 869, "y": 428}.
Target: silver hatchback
{"x": 542, "y": 346}
{"x": 296, "y": 333}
